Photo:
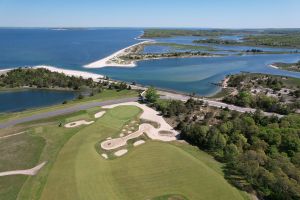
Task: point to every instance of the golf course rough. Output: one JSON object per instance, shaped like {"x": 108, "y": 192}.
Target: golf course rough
{"x": 148, "y": 171}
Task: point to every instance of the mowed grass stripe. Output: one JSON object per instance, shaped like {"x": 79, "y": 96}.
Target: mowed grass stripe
{"x": 157, "y": 168}
{"x": 80, "y": 150}
{"x": 151, "y": 170}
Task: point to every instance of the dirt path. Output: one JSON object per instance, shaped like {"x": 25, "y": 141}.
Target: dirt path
{"x": 7, "y": 136}
{"x": 29, "y": 172}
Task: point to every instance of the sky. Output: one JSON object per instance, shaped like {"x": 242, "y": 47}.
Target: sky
{"x": 151, "y": 13}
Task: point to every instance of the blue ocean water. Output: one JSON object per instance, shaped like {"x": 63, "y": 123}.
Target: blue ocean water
{"x": 73, "y": 48}
{"x": 13, "y": 101}
{"x": 61, "y": 47}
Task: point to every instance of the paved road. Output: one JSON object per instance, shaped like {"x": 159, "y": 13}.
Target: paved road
{"x": 168, "y": 95}
{"x": 65, "y": 111}
{"x": 164, "y": 95}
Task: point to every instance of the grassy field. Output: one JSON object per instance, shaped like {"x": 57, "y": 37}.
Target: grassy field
{"x": 41, "y": 142}
{"x": 18, "y": 152}
{"x": 152, "y": 170}
{"x": 103, "y": 96}
{"x": 75, "y": 170}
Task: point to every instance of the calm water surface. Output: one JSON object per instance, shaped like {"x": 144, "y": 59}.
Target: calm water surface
{"x": 73, "y": 48}
{"x": 13, "y": 101}
{"x": 61, "y": 48}
{"x": 197, "y": 74}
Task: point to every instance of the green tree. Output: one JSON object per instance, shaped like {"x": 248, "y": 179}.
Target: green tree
{"x": 152, "y": 95}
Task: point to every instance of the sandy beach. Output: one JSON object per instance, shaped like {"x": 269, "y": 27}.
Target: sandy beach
{"x": 75, "y": 73}
{"x": 3, "y": 71}
{"x": 273, "y": 66}
{"x": 108, "y": 61}
{"x": 67, "y": 72}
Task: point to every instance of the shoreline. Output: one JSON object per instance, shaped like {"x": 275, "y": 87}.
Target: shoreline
{"x": 108, "y": 61}
{"x": 273, "y": 66}
{"x": 70, "y": 72}
{"x": 67, "y": 72}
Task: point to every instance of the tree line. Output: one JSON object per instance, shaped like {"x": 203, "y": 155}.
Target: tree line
{"x": 42, "y": 78}
{"x": 260, "y": 153}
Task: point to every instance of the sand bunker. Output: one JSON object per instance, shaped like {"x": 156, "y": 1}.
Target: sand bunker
{"x": 104, "y": 156}
{"x": 137, "y": 143}
{"x": 78, "y": 123}
{"x": 29, "y": 172}
{"x": 122, "y": 141}
{"x": 7, "y": 136}
{"x": 99, "y": 114}
{"x": 121, "y": 152}
{"x": 154, "y": 116}
{"x": 164, "y": 133}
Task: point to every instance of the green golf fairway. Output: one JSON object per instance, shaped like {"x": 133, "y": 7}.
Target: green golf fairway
{"x": 145, "y": 172}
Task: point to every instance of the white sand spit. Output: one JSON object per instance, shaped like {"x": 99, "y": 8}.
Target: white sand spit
{"x": 121, "y": 152}
{"x": 78, "y": 123}
{"x": 104, "y": 156}
{"x": 108, "y": 61}
{"x": 29, "y": 172}
{"x": 273, "y": 66}
{"x": 137, "y": 143}
{"x": 99, "y": 114}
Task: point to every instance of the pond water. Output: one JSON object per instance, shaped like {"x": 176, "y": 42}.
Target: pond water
{"x": 18, "y": 100}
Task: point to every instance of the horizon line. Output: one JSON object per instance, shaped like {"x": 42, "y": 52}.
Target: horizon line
{"x": 145, "y": 27}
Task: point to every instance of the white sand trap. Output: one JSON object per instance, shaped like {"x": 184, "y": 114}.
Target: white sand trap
{"x": 137, "y": 143}
{"x": 122, "y": 141}
{"x": 124, "y": 130}
{"x": 129, "y": 132}
{"x": 121, "y": 152}
{"x": 109, "y": 138}
{"x": 78, "y": 123}
{"x": 29, "y": 172}
{"x": 7, "y": 136}
{"x": 104, "y": 156}
{"x": 152, "y": 115}
{"x": 99, "y": 114}
{"x": 122, "y": 135}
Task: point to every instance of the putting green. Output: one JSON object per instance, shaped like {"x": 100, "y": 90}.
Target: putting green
{"x": 145, "y": 172}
